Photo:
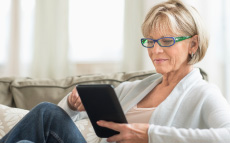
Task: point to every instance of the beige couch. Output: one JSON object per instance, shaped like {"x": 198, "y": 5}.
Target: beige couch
{"x": 19, "y": 95}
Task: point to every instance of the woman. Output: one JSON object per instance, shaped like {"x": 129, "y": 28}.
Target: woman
{"x": 176, "y": 105}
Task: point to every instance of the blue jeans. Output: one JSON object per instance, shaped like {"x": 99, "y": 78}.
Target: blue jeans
{"x": 45, "y": 123}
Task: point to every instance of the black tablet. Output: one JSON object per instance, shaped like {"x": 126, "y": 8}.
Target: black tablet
{"x": 101, "y": 103}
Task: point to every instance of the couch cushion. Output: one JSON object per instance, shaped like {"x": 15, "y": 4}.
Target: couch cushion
{"x": 28, "y": 92}
{"x": 5, "y": 94}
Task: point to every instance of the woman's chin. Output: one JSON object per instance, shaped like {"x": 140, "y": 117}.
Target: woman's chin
{"x": 161, "y": 71}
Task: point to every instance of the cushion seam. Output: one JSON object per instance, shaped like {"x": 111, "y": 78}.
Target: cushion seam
{"x": 55, "y": 86}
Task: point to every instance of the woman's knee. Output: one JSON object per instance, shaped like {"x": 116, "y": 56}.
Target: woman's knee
{"x": 48, "y": 111}
{"x": 46, "y": 107}
{"x": 50, "y": 108}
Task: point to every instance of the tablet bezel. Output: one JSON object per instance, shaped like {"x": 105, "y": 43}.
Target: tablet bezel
{"x": 101, "y": 103}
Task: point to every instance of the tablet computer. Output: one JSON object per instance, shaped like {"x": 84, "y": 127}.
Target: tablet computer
{"x": 101, "y": 103}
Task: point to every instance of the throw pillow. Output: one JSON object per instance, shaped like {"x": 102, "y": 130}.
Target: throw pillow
{"x": 87, "y": 131}
{"x": 9, "y": 117}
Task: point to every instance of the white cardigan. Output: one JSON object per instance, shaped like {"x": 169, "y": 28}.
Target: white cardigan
{"x": 194, "y": 112}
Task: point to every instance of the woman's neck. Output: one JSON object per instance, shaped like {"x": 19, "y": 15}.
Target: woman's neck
{"x": 174, "y": 77}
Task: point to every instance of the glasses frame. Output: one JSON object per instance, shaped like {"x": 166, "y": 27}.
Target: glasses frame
{"x": 175, "y": 39}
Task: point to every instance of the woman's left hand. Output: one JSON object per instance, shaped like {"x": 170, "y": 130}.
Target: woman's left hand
{"x": 129, "y": 133}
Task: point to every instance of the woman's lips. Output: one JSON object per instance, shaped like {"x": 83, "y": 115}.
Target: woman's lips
{"x": 159, "y": 61}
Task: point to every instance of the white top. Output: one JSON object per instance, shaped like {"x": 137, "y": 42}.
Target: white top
{"x": 139, "y": 115}
{"x": 194, "y": 112}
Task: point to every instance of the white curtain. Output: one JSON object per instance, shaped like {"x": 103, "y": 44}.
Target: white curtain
{"x": 13, "y": 40}
{"x": 226, "y": 38}
{"x": 214, "y": 63}
{"x": 50, "y": 56}
{"x": 133, "y": 51}
{"x": 35, "y": 40}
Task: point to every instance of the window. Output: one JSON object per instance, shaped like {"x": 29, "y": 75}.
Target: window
{"x": 96, "y": 29}
{"x": 95, "y": 34}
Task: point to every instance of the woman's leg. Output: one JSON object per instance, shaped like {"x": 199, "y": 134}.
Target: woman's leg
{"x": 45, "y": 123}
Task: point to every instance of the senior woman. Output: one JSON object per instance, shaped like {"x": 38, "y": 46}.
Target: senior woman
{"x": 176, "y": 105}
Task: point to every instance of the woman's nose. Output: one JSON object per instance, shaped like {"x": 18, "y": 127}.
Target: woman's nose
{"x": 157, "y": 48}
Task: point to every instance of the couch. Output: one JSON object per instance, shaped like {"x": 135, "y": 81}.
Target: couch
{"x": 18, "y": 95}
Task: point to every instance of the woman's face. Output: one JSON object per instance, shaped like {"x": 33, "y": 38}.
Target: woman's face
{"x": 169, "y": 59}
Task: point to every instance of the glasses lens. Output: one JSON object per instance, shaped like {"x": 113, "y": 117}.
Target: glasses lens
{"x": 167, "y": 41}
{"x": 147, "y": 43}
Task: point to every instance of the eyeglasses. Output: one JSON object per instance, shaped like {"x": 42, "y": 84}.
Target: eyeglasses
{"x": 163, "y": 42}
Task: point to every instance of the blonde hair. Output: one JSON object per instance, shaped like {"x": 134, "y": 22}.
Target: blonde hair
{"x": 182, "y": 20}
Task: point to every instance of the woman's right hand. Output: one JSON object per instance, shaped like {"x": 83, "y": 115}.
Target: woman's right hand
{"x": 74, "y": 101}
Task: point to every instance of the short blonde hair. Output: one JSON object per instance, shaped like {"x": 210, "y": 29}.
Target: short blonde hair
{"x": 181, "y": 19}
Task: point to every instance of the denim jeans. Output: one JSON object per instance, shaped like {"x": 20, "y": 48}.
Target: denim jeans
{"x": 45, "y": 123}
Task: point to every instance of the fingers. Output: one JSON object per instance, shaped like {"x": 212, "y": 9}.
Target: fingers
{"x": 116, "y": 138}
{"x": 81, "y": 107}
{"x": 75, "y": 101}
{"x": 74, "y": 95}
{"x": 129, "y": 133}
{"x": 110, "y": 125}
{"x": 70, "y": 102}
{"x": 114, "y": 126}
{"x": 74, "y": 98}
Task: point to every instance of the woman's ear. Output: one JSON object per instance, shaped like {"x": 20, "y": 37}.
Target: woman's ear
{"x": 194, "y": 44}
